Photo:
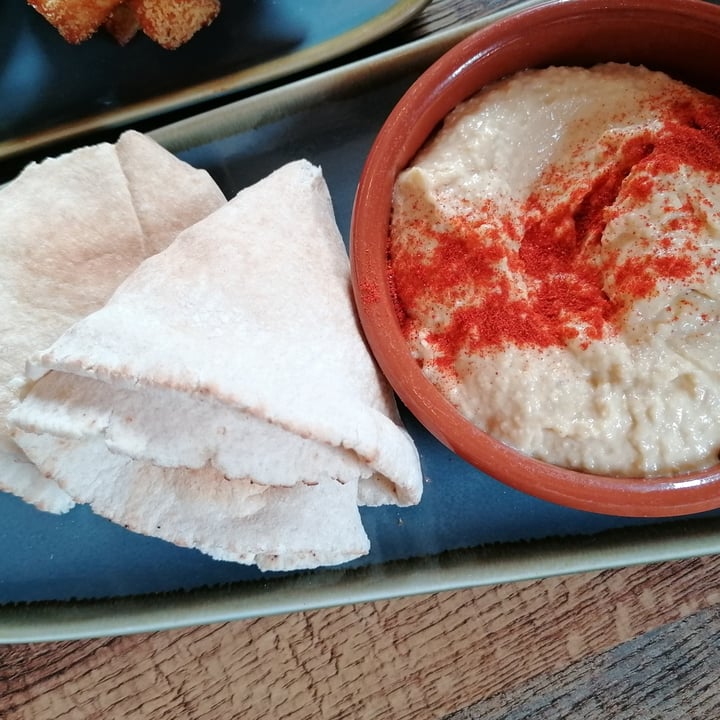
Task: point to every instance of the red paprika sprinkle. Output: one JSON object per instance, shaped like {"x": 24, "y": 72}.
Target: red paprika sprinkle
{"x": 471, "y": 263}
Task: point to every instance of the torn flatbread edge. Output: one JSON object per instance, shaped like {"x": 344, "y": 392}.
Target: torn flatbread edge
{"x": 393, "y": 477}
{"x": 150, "y": 424}
{"x": 301, "y": 527}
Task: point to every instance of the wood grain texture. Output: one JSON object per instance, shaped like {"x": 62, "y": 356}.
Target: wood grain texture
{"x": 441, "y": 14}
{"x": 666, "y": 674}
{"x": 422, "y": 657}
{"x": 438, "y": 15}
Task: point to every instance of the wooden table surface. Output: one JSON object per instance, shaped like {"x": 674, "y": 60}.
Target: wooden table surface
{"x": 639, "y": 642}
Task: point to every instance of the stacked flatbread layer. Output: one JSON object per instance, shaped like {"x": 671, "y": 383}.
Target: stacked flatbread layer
{"x": 71, "y": 230}
{"x": 224, "y": 398}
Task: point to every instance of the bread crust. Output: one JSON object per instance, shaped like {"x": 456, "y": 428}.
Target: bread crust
{"x": 169, "y": 23}
{"x": 75, "y": 20}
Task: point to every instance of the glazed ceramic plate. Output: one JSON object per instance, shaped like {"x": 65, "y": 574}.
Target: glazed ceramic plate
{"x": 78, "y": 575}
{"x": 50, "y": 90}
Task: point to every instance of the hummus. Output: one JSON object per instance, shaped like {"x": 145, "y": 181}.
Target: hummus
{"x": 554, "y": 258}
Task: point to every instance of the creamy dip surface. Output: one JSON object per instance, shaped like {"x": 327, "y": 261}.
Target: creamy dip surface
{"x": 554, "y": 258}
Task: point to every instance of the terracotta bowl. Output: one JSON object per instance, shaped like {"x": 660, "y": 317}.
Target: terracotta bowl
{"x": 680, "y": 37}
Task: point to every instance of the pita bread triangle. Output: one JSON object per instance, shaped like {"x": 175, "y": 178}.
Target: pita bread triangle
{"x": 71, "y": 229}
{"x": 292, "y": 528}
{"x": 234, "y": 355}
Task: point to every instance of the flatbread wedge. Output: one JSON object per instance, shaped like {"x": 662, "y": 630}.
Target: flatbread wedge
{"x": 234, "y": 356}
{"x": 72, "y": 229}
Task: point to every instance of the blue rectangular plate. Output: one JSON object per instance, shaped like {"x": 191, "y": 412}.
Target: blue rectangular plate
{"x": 51, "y": 90}
{"x": 78, "y": 575}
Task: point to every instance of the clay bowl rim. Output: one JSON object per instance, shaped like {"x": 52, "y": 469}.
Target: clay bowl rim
{"x": 434, "y": 93}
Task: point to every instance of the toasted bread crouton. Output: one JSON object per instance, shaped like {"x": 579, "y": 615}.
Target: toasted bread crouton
{"x": 122, "y": 23}
{"x": 170, "y": 23}
{"x": 75, "y": 20}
